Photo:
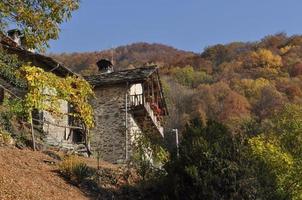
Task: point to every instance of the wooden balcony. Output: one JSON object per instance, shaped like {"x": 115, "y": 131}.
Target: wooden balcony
{"x": 144, "y": 113}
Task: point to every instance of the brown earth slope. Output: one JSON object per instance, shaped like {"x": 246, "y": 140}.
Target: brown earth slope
{"x": 24, "y": 175}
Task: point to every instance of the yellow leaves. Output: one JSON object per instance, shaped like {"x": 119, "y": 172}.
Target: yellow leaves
{"x": 286, "y": 49}
{"x": 280, "y": 162}
{"x": 270, "y": 151}
{"x": 38, "y": 20}
{"x": 265, "y": 58}
{"x": 46, "y": 91}
{"x": 251, "y": 88}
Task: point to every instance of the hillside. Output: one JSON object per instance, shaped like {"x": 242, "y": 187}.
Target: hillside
{"x": 35, "y": 175}
{"x": 25, "y": 175}
{"x": 136, "y": 54}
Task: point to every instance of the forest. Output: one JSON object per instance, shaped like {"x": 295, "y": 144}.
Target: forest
{"x": 238, "y": 107}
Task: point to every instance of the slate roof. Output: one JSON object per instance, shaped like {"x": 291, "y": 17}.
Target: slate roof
{"x": 16, "y": 91}
{"x": 126, "y": 76}
{"x": 39, "y": 60}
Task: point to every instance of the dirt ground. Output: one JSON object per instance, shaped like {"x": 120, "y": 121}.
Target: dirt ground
{"x": 25, "y": 174}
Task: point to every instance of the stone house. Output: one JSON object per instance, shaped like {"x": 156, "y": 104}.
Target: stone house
{"x": 127, "y": 103}
{"x": 54, "y": 127}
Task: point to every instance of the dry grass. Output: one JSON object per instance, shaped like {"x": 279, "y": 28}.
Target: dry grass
{"x": 25, "y": 175}
{"x": 74, "y": 169}
{"x": 29, "y": 175}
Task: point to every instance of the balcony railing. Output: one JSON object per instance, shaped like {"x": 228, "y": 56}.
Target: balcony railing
{"x": 140, "y": 101}
{"x": 136, "y": 100}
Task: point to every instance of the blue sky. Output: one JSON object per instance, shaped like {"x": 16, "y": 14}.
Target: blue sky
{"x": 185, "y": 24}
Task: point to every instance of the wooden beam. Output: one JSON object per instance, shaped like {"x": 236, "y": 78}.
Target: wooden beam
{"x": 54, "y": 124}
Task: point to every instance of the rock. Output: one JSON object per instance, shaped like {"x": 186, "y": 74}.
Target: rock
{"x": 120, "y": 161}
{"x": 11, "y": 141}
{"x": 50, "y": 162}
{"x": 20, "y": 145}
{"x": 85, "y": 154}
{"x": 52, "y": 155}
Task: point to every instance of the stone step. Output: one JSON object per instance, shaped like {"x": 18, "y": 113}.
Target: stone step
{"x": 67, "y": 145}
{"x": 79, "y": 149}
{"x": 53, "y": 142}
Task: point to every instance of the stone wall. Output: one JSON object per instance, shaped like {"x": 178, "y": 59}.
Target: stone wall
{"x": 134, "y": 135}
{"x": 56, "y": 134}
{"x": 109, "y": 135}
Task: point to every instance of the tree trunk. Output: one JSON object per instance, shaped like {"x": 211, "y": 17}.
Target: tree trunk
{"x": 87, "y": 141}
{"x": 32, "y": 131}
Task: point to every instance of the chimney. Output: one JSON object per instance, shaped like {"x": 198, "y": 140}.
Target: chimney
{"x": 15, "y": 35}
{"x": 105, "y": 66}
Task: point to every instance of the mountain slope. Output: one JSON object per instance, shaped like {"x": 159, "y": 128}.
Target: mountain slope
{"x": 136, "y": 54}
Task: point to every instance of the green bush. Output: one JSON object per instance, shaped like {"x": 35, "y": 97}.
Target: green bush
{"x": 148, "y": 158}
{"x": 5, "y": 121}
{"x": 187, "y": 76}
{"x": 212, "y": 164}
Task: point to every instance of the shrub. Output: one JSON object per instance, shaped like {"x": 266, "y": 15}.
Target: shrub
{"x": 5, "y": 121}
{"x": 148, "y": 158}
{"x": 74, "y": 169}
{"x": 212, "y": 164}
{"x": 5, "y": 137}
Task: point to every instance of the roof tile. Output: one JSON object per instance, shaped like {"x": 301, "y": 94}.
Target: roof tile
{"x": 131, "y": 76}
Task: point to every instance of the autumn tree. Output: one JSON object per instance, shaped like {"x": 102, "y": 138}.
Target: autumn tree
{"x": 274, "y": 42}
{"x": 287, "y": 124}
{"x": 295, "y": 40}
{"x": 270, "y": 102}
{"x": 250, "y": 88}
{"x": 38, "y": 20}
{"x": 296, "y": 70}
{"x": 210, "y": 97}
{"x": 217, "y": 54}
{"x": 179, "y": 103}
{"x": 291, "y": 87}
{"x": 265, "y": 59}
{"x": 219, "y": 102}
{"x": 234, "y": 106}
{"x": 187, "y": 76}
{"x": 228, "y": 70}
{"x": 278, "y": 149}
{"x": 274, "y": 166}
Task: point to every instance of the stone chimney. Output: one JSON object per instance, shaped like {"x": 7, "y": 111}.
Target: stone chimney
{"x": 105, "y": 66}
{"x": 15, "y": 35}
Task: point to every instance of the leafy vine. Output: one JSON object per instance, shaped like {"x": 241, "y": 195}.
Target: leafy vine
{"x": 46, "y": 91}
